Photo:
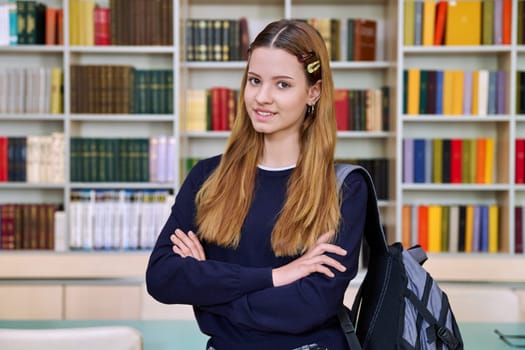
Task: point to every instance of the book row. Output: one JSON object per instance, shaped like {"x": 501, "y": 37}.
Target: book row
{"x": 378, "y": 169}
{"x": 123, "y": 159}
{"x": 27, "y": 226}
{"x": 32, "y": 159}
{"x": 137, "y": 22}
{"x": 362, "y": 109}
{"x": 212, "y": 109}
{"x": 223, "y": 39}
{"x": 30, "y": 23}
{"x": 117, "y": 220}
{"x": 31, "y": 90}
{"x": 121, "y": 89}
{"x": 444, "y": 160}
{"x": 452, "y": 228}
{"x": 454, "y": 92}
{"x": 123, "y": 22}
{"x": 442, "y": 22}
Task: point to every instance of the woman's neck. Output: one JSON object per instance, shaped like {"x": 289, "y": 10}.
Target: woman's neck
{"x": 280, "y": 154}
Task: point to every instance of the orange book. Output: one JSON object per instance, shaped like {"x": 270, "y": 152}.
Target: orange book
{"x": 406, "y": 226}
{"x": 60, "y": 26}
{"x": 448, "y": 92}
{"x": 475, "y": 92}
{"x": 489, "y": 160}
{"x": 51, "y": 26}
{"x": 506, "y": 20}
{"x": 481, "y": 155}
{"x": 458, "y": 78}
{"x": 422, "y": 227}
{"x": 413, "y": 91}
{"x": 441, "y": 18}
{"x": 469, "y": 228}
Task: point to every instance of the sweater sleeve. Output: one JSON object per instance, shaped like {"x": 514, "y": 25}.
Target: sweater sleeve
{"x": 311, "y": 301}
{"x": 171, "y": 279}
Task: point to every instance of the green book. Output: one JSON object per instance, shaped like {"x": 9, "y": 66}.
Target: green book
{"x": 437, "y": 164}
{"x": 350, "y": 39}
{"x": 487, "y": 23}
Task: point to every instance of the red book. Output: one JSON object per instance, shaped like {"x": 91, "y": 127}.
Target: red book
{"x": 3, "y": 159}
{"x": 455, "y": 160}
{"x": 60, "y": 26}
{"x": 441, "y": 19}
{"x": 520, "y": 161}
{"x": 341, "y": 109}
{"x": 102, "y": 26}
{"x": 422, "y": 227}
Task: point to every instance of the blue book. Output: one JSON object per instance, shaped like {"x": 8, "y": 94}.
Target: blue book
{"x": 428, "y": 160}
{"x": 439, "y": 92}
{"x": 493, "y": 96}
{"x": 484, "y": 238}
{"x": 419, "y": 160}
{"x": 13, "y": 23}
{"x": 408, "y": 160}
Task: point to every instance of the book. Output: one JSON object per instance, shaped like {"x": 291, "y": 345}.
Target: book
{"x": 429, "y": 16}
{"x": 463, "y": 25}
{"x": 365, "y": 38}
{"x": 440, "y": 22}
{"x": 409, "y": 22}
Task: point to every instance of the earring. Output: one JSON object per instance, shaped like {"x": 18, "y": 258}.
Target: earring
{"x": 310, "y": 110}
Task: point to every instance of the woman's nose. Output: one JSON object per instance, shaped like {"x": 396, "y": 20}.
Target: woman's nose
{"x": 263, "y": 94}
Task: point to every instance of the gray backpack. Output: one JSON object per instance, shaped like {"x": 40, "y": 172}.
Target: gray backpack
{"x": 398, "y": 304}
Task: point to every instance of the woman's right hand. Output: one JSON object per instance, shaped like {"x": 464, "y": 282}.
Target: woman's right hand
{"x": 314, "y": 260}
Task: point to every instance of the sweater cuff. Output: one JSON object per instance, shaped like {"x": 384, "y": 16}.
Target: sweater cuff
{"x": 252, "y": 279}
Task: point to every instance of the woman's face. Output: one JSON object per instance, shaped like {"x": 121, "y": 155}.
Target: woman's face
{"x": 277, "y": 92}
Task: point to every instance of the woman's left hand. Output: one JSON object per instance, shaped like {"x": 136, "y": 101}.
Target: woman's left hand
{"x": 187, "y": 245}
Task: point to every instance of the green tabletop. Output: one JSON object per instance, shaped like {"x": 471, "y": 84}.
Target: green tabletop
{"x": 185, "y": 335}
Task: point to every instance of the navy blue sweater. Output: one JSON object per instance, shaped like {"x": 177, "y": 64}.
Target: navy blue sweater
{"x": 232, "y": 292}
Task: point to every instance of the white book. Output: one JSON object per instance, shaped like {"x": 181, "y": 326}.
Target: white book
{"x": 171, "y": 160}
{"x": 88, "y": 206}
{"x": 123, "y": 217}
{"x": 453, "y": 229}
{"x": 99, "y": 220}
{"x": 3, "y": 90}
{"x": 146, "y": 220}
{"x": 76, "y": 220}
{"x": 60, "y": 231}
{"x": 162, "y": 157}
{"x": 107, "y": 230}
{"x": 33, "y": 158}
{"x": 4, "y": 25}
{"x": 153, "y": 158}
{"x": 483, "y": 91}
{"x": 134, "y": 219}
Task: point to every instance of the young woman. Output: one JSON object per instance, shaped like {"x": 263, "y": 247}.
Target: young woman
{"x": 259, "y": 240}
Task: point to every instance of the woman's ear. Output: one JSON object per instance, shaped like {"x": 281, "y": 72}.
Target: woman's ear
{"x": 314, "y": 93}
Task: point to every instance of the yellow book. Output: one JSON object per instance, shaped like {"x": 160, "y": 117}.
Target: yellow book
{"x": 437, "y": 161}
{"x": 448, "y": 92}
{"x": 458, "y": 78}
{"x": 434, "y": 228}
{"x": 196, "y": 110}
{"x": 463, "y": 23}
{"x": 56, "y": 104}
{"x": 87, "y": 22}
{"x": 489, "y": 160}
{"x": 493, "y": 228}
{"x": 475, "y": 97}
{"x": 414, "y": 81}
{"x": 429, "y": 14}
{"x": 469, "y": 228}
{"x": 409, "y": 22}
{"x": 74, "y": 16}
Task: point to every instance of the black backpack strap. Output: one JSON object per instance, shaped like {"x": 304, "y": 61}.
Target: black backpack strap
{"x": 348, "y": 329}
{"x": 373, "y": 231}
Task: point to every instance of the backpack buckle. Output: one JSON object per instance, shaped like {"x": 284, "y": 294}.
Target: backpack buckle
{"x": 447, "y": 337}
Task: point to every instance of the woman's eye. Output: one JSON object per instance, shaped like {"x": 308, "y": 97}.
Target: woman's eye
{"x": 283, "y": 84}
{"x": 253, "y": 81}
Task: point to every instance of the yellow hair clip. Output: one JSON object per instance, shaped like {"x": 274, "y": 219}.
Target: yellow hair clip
{"x": 312, "y": 67}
